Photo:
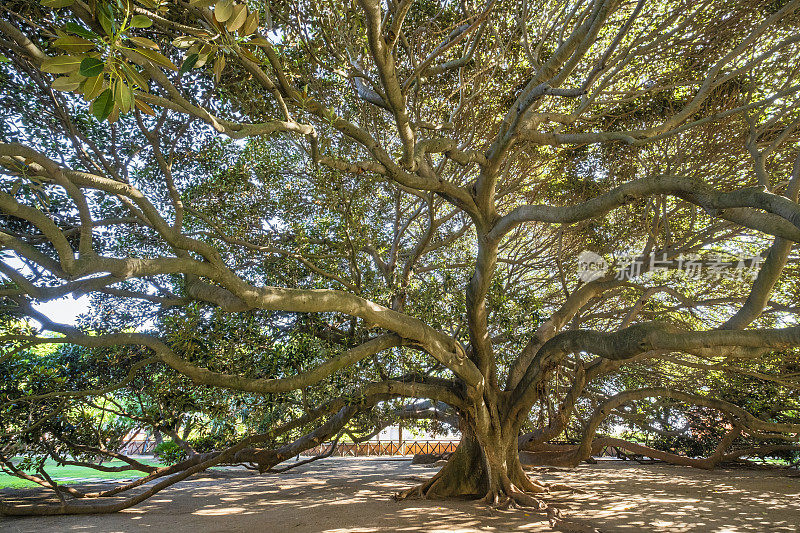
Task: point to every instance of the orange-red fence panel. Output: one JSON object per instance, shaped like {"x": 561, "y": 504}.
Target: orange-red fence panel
{"x": 377, "y": 448}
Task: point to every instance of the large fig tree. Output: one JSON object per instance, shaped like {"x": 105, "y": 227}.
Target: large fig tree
{"x": 342, "y": 206}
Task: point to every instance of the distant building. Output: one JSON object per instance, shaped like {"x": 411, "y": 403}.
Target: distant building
{"x": 138, "y": 442}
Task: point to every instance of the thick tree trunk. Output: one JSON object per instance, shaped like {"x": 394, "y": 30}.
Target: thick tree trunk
{"x": 483, "y": 466}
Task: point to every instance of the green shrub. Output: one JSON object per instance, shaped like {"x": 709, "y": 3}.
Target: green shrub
{"x": 169, "y": 452}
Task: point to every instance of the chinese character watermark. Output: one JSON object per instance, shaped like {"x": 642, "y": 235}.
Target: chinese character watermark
{"x": 592, "y": 266}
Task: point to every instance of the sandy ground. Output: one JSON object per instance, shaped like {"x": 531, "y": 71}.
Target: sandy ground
{"x": 350, "y": 495}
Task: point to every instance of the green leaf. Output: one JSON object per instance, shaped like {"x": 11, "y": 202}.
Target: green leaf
{"x": 157, "y": 58}
{"x": 135, "y": 78}
{"x": 144, "y": 108}
{"x": 61, "y": 64}
{"x": 103, "y": 105}
{"x": 202, "y": 60}
{"x": 237, "y": 18}
{"x": 251, "y": 24}
{"x": 260, "y": 41}
{"x": 56, "y": 4}
{"x": 249, "y": 55}
{"x": 66, "y": 83}
{"x": 106, "y": 21}
{"x": 91, "y": 66}
{"x": 70, "y": 43}
{"x": 141, "y": 21}
{"x": 92, "y": 87}
{"x": 80, "y": 30}
{"x": 123, "y": 97}
{"x": 4, "y": 59}
{"x": 219, "y": 66}
{"x": 114, "y": 115}
{"x": 143, "y": 42}
{"x": 188, "y": 63}
{"x": 183, "y": 41}
{"x": 223, "y": 10}
{"x": 267, "y": 17}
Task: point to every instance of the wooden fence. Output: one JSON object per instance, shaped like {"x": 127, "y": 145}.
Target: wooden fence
{"x": 411, "y": 447}
{"x": 142, "y": 447}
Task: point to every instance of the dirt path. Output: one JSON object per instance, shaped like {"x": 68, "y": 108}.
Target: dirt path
{"x": 353, "y": 496}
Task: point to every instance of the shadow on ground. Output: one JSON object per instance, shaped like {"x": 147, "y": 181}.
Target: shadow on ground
{"x": 349, "y": 495}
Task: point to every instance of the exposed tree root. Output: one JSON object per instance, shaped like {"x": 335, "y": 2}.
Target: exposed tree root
{"x": 421, "y": 490}
{"x": 512, "y": 498}
{"x": 508, "y": 490}
{"x": 523, "y": 499}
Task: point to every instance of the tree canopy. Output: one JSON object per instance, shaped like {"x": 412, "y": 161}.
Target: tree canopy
{"x": 532, "y": 221}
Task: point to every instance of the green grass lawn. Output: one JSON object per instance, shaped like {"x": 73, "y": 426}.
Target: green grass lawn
{"x": 8, "y": 481}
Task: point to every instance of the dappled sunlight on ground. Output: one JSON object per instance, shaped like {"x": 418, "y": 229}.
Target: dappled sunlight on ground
{"x": 347, "y": 495}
